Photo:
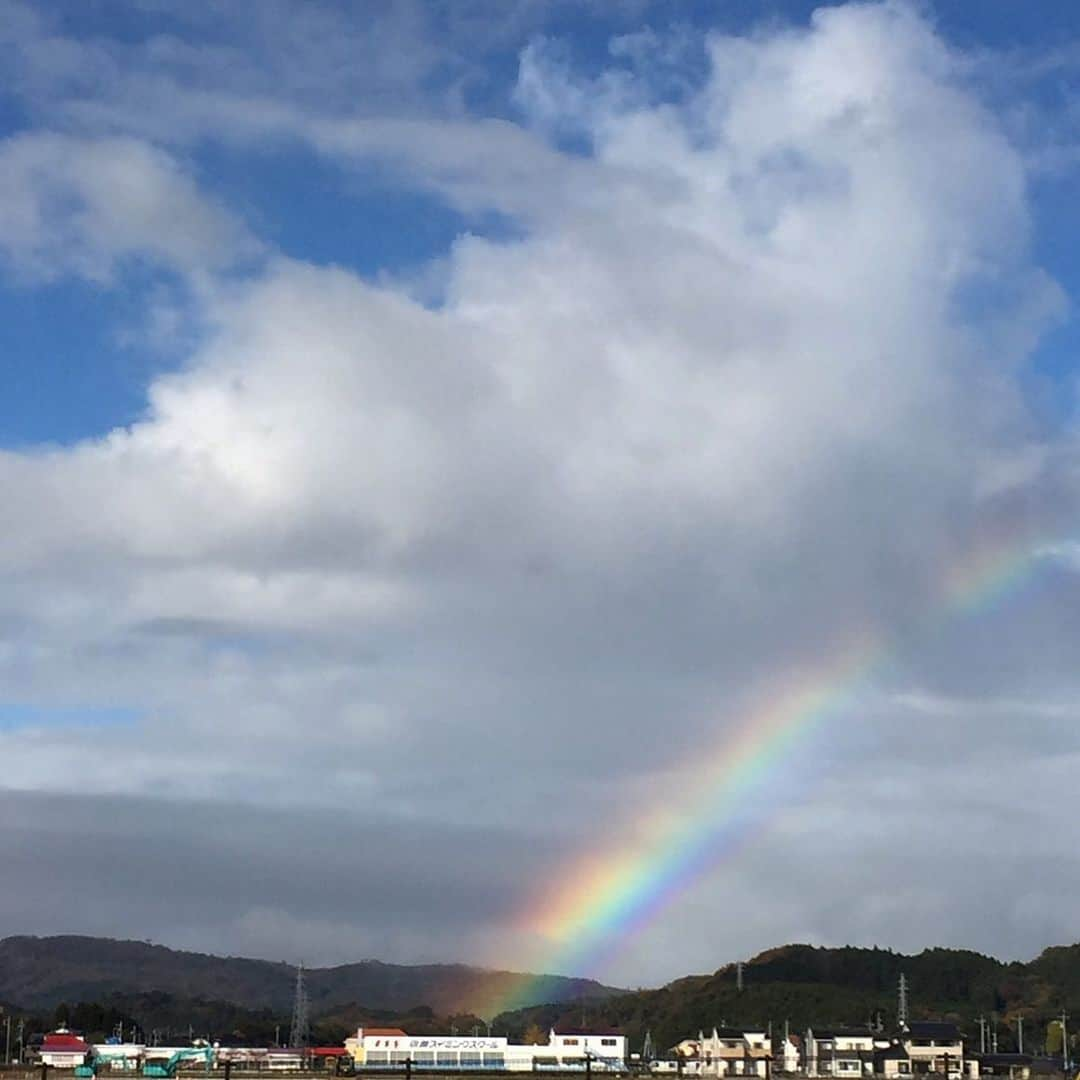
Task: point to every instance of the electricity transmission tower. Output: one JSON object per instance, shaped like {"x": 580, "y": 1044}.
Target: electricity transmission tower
{"x": 901, "y": 1002}
{"x": 299, "y": 1033}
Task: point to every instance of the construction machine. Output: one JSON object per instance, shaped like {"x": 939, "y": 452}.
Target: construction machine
{"x": 168, "y": 1068}
{"x": 94, "y": 1063}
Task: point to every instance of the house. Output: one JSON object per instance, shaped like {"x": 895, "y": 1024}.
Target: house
{"x": 847, "y": 1052}
{"x": 63, "y": 1049}
{"x": 1013, "y": 1066}
{"x": 892, "y": 1061}
{"x": 605, "y": 1046}
{"x": 374, "y": 1039}
{"x": 734, "y": 1052}
{"x": 933, "y": 1047}
{"x": 789, "y": 1055}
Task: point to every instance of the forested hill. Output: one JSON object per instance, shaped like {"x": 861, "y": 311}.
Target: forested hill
{"x": 40, "y": 973}
{"x": 808, "y": 986}
{"x": 796, "y": 983}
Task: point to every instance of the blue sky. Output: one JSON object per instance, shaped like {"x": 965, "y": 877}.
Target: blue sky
{"x": 447, "y": 422}
{"x": 71, "y": 369}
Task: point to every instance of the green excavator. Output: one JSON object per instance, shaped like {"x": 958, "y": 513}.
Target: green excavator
{"x": 94, "y": 1063}
{"x": 168, "y": 1068}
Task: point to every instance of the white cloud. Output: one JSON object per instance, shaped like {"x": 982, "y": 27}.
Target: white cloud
{"x": 737, "y": 395}
{"x": 71, "y": 205}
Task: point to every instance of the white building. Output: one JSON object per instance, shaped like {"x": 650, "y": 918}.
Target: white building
{"x": 843, "y": 1052}
{"x": 120, "y": 1057}
{"x": 63, "y": 1049}
{"x": 373, "y": 1048}
{"x": 934, "y": 1047}
{"x": 606, "y": 1047}
{"x": 788, "y": 1057}
{"x": 733, "y": 1052}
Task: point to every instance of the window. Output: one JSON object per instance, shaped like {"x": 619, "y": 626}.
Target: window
{"x": 494, "y": 1061}
{"x": 608, "y": 1042}
{"x": 447, "y": 1059}
{"x": 903, "y": 1067}
{"x": 570, "y": 1042}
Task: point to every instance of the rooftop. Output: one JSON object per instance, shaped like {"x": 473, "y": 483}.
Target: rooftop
{"x": 932, "y": 1029}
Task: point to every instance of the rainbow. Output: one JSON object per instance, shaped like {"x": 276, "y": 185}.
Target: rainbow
{"x": 609, "y": 898}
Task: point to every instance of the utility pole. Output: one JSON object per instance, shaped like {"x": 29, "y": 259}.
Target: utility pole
{"x": 1020, "y": 1034}
{"x": 300, "y": 1032}
{"x": 902, "y": 1002}
{"x": 982, "y": 1034}
{"x": 7, "y": 1039}
{"x": 993, "y": 1034}
{"x": 1064, "y": 1042}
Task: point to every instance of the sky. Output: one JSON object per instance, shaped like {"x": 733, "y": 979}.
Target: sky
{"x": 433, "y": 435}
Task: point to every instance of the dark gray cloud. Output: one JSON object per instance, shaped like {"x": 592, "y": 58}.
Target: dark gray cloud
{"x": 225, "y": 877}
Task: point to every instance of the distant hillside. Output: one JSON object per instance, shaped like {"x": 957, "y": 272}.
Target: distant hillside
{"x": 39, "y": 973}
{"x": 807, "y": 986}
{"x": 163, "y": 988}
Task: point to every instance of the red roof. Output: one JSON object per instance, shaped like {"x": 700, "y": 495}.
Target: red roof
{"x": 329, "y": 1051}
{"x": 382, "y": 1031}
{"x": 64, "y": 1040}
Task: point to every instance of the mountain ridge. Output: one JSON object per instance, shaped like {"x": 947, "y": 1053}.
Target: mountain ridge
{"x": 41, "y": 972}
{"x": 804, "y": 985}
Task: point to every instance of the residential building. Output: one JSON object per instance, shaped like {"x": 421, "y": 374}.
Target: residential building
{"x": 63, "y": 1049}
{"x": 788, "y": 1055}
{"x": 608, "y": 1046}
{"x": 933, "y": 1047}
{"x": 1012, "y": 1066}
{"x": 734, "y": 1052}
{"x": 845, "y": 1052}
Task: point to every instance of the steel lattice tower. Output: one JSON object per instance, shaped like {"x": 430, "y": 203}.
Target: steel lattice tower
{"x": 299, "y": 1033}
